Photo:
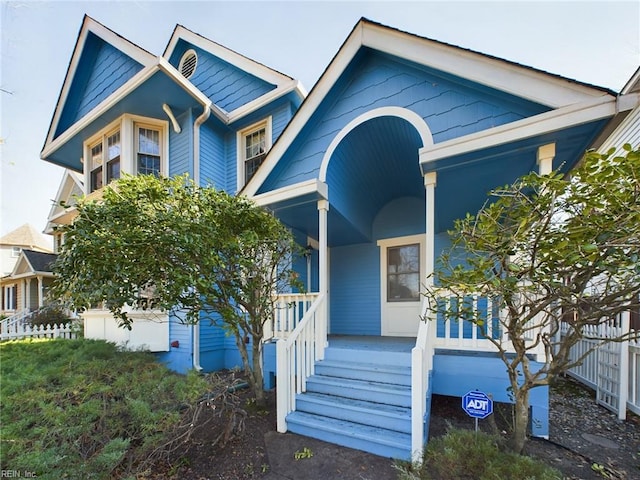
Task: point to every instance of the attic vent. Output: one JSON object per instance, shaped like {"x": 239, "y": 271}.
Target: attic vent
{"x": 188, "y": 63}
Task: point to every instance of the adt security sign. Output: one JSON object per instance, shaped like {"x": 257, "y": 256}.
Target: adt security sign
{"x": 477, "y": 404}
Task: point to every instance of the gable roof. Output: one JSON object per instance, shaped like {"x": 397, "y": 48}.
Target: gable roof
{"x": 40, "y": 262}
{"x": 32, "y": 263}
{"x": 26, "y": 236}
{"x": 284, "y": 84}
{"x": 63, "y": 130}
{"x": 70, "y": 186}
{"x": 92, "y": 28}
{"x": 150, "y": 66}
{"x": 583, "y": 102}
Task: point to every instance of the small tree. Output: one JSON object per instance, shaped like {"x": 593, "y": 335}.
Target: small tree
{"x": 548, "y": 249}
{"x": 190, "y": 251}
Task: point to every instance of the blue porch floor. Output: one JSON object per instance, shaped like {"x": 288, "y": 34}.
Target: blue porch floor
{"x": 374, "y": 344}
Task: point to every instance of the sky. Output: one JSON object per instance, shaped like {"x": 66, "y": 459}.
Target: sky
{"x": 594, "y": 42}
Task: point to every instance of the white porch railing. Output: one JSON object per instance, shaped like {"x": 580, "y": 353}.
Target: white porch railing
{"x": 67, "y": 330}
{"x": 612, "y": 369}
{"x": 296, "y": 356}
{"x": 458, "y": 334}
{"x": 16, "y": 320}
{"x": 421, "y": 365}
{"x": 289, "y": 310}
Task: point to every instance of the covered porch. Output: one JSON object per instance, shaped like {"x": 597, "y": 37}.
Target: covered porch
{"x": 374, "y": 221}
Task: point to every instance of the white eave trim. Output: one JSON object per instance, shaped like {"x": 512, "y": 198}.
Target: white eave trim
{"x": 519, "y": 80}
{"x": 90, "y": 25}
{"x": 132, "y": 84}
{"x": 566, "y": 117}
{"x": 234, "y": 58}
{"x": 247, "y": 108}
{"x": 318, "y": 93}
{"x": 292, "y": 191}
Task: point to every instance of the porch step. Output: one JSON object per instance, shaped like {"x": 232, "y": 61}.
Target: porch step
{"x": 391, "y": 374}
{"x": 363, "y": 412}
{"x": 389, "y": 357}
{"x": 359, "y": 397}
{"x": 379, "y": 441}
{"x": 385, "y": 393}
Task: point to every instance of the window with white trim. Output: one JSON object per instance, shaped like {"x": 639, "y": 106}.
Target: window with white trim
{"x": 132, "y": 144}
{"x": 15, "y": 252}
{"x": 102, "y": 174}
{"x": 10, "y": 297}
{"x": 253, "y": 144}
{"x": 147, "y": 150}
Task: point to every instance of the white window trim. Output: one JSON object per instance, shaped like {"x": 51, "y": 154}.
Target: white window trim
{"x": 127, "y": 125}
{"x": 9, "y": 296}
{"x": 240, "y": 158}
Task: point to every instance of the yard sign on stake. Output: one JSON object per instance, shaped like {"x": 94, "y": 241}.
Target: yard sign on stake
{"x": 477, "y": 405}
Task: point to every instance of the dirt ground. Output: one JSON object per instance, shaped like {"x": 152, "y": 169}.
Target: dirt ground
{"x": 586, "y": 442}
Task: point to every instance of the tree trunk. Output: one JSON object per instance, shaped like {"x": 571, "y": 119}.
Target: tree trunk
{"x": 254, "y": 376}
{"x": 261, "y": 398}
{"x": 521, "y": 420}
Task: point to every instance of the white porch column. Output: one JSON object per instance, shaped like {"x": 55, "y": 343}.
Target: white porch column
{"x": 27, "y": 294}
{"x": 323, "y": 281}
{"x": 546, "y": 154}
{"x": 323, "y": 209}
{"x": 430, "y": 187}
{"x": 40, "y": 292}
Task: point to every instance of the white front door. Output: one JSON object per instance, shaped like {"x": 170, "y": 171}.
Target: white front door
{"x": 402, "y": 275}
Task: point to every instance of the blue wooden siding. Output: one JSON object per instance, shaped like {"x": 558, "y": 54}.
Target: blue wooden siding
{"x": 179, "y": 359}
{"x": 456, "y": 373}
{"x": 355, "y": 290}
{"x": 452, "y": 107}
{"x": 213, "y": 168}
{"x": 225, "y": 84}
{"x": 280, "y": 113}
{"x": 181, "y": 146}
{"x": 102, "y": 69}
{"x": 355, "y": 269}
{"x": 212, "y": 344}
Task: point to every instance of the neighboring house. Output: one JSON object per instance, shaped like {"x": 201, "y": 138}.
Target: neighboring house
{"x": 17, "y": 290}
{"x": 400, "y": 136}
{"x": 70, "y": 189}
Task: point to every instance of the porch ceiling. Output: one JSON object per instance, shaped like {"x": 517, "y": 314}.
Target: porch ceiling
{"x": 378, "y": 162}
{"x": 464, "y": 181}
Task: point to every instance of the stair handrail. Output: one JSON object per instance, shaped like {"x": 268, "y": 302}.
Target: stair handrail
{"x": 15, "y": 320}
{"x": 421, "y": 365}
{"x": 296, "y": 356}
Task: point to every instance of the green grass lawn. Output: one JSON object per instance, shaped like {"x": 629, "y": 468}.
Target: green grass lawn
{"x": 84, "y": 409}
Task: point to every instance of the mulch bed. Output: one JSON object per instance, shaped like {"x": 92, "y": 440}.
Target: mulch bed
{"x": 586, "y": 440}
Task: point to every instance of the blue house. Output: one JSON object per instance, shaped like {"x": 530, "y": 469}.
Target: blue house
{"x": 400, "y": 136}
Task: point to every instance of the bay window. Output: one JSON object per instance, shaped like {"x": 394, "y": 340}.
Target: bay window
{"x": 131, "y": 144}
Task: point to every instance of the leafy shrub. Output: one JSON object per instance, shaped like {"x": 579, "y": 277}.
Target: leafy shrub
{"x": 84, "y": 409}
{"x": 466, "y": 454}
{"x": 49, "y": 316}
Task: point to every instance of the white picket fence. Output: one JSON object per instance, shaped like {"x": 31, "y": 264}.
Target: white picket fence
{"x": 613, "y": 369}
{"x": 21, "y": 331}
